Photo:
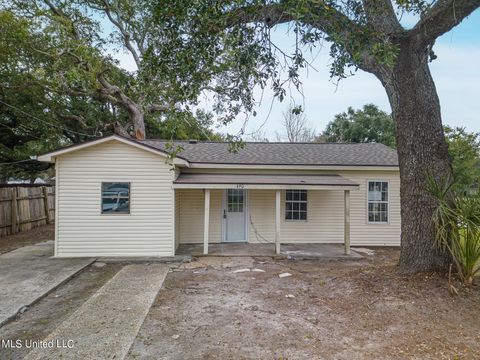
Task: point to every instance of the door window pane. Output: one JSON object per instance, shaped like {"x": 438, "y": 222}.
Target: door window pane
{"x": 235, "y": 200}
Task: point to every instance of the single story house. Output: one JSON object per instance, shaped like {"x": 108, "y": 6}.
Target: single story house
{"x": 124, "y": 197}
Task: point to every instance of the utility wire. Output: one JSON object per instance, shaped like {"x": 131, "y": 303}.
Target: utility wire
{"x": 46, "y": 122}
{"x": 15, "y": 162}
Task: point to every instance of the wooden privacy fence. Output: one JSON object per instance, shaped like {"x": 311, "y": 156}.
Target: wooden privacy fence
{"x": 24, "y": 207}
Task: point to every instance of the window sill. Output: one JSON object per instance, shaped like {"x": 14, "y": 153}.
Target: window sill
{"x": 115, "y": 213}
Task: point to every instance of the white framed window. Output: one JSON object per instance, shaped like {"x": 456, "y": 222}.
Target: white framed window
{"x": 296, "y": 205}
{"x": 377, "y": 201}
{"x": 115, "y": 198}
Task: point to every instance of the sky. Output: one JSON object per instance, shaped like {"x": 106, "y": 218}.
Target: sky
{"x": 456, "y": 72}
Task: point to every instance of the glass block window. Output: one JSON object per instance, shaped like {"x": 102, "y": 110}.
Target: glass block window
{"x": 296, "y": 205}
{"x": 115, "y": 197}
{"x": 378, "y": 202}
{"x": 235, "y": 200}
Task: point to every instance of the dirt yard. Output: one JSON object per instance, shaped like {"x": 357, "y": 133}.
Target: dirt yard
{"x": 212, "y": 308}
{"x": 325, "y": 310}
{"x": 24, "y": 238}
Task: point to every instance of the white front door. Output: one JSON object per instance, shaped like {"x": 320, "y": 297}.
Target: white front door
{"x": 234, "y": 215}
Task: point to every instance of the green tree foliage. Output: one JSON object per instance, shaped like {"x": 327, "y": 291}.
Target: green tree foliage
{"x": 197, "y": 126}
{"x": 369, "y": 124}
{"x": 34, "y": 115}
{"x": 58, "y": 85}
{"x": 464, "y": 150}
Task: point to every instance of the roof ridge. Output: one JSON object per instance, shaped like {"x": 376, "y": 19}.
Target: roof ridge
{"x": 256, "y": 173}
{"x": 268, "y": 142}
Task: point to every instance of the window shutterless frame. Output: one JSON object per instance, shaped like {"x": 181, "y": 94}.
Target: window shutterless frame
{"x": 118, "y": 196}
{"x": 386, "y": 202}
{"x": 296, "y": 205}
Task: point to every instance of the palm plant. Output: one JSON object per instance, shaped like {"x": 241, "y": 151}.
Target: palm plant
{"x": 457, "y": 222}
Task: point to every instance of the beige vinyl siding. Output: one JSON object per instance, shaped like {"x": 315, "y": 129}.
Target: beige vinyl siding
{"x": 191, "y": 215}
{"x": 84, "y": 231}
{"x": 324, "y": 222}
{"x": 261, "y": 219}
{"x": 324, "y": 218}
{"x": 361, "y": 232}
{"x": 325, "y": 215}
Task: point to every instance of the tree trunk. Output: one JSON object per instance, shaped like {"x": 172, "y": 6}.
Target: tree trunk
{"x": 422, "y": 152}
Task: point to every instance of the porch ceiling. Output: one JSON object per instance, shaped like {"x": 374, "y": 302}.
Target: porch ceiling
{"x": 263, "y": 181}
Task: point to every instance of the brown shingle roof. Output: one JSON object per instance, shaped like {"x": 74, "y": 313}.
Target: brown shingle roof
{"x": 255, "y": 153}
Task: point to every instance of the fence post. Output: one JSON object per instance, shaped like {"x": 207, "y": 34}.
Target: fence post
{"x": 14, "y": 210}
{"x": 45, "y": 204}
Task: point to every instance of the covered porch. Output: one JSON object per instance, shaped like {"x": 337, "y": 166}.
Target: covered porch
{"x": 266, "y": 213}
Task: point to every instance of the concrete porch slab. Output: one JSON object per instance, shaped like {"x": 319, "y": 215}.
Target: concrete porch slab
{"x": 317, "y": 251}
{"x": 228, "y": 249}
{"x": 147, "y": 259}
{"x": 29, "y": 273}
{"x": 290, "y": 251}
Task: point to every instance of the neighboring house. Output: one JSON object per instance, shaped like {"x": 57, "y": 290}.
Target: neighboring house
{"x": 123, "y": 197}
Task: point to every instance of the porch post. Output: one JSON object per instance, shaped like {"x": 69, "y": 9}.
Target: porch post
{"x": 346, "y": 225}
{"x": 277, "y": 222}
{"x": 206, "y": 222}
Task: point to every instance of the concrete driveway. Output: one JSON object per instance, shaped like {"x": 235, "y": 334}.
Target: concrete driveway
{"x": 29, "y": 273}
{"x": 106, "y": 325}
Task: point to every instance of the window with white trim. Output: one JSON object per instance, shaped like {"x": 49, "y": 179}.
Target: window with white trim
{"x": 296, "y": 205}
{"x": 377, "y": 201}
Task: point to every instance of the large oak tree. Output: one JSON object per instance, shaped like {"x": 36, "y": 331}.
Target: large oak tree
{"x": 366, "y": 35}
{"x": 60, "y": 85}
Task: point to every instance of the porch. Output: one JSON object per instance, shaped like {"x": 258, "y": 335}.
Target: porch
{"x": 294, "y": 251}
{"x": 265, "y": 210}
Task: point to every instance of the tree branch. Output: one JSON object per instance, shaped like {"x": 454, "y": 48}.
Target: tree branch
{"x": 136, "y": 115}
{"x": 77, "y": 118}
{"x": 322, "y": 17}
{"x": 108, "y": 92}
{"x": 381, "y": 15}
{"x": 125, "y": 35}
{"x": 443, "y": 16}
{"x": 271, "y": 15}
{"x": 154, "y": 108}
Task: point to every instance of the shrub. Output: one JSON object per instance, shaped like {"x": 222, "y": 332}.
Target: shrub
{"x": 457, "y": 222}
